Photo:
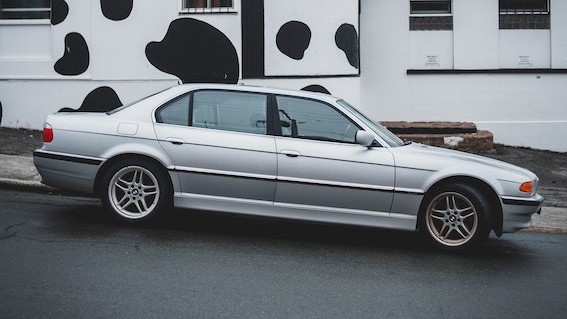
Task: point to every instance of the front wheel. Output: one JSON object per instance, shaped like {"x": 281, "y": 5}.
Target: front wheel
{"x": 135, "y": 190}
{"x": 455, "y": 217}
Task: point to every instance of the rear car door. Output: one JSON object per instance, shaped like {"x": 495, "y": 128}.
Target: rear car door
{"x": 218, "y": 141}
{"x": 320, "y": 166}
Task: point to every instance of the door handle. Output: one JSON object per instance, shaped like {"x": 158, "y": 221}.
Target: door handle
{"x": 290, "y": 153}
{"x": 175, "y": 140}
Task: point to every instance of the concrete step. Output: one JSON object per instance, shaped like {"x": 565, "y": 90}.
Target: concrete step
{"x": 462, "y": 136}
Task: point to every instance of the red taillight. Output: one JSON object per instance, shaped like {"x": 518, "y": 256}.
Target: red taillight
{"x": 47, "y": 133}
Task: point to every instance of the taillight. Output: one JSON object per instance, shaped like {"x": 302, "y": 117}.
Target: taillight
{"x": 47, "y": 133}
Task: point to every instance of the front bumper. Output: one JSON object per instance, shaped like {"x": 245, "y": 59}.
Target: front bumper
{"x": 517, "y": 212}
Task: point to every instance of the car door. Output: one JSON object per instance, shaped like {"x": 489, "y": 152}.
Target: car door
{"x": 219, "y": 145}
{"x": 321, "y": 167}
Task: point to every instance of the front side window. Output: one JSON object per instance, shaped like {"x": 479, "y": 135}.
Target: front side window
{"x": 200, "y": 6}
{"x": 524, "y": 14}
{"x": 308, "y": 119}
{"x": 230, "y": 111}
{"x": 25, "y": 9}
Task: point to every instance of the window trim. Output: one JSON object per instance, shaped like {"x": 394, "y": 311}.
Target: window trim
{"x": 209, "y": 10}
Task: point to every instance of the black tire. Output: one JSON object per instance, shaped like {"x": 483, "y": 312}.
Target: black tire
{"x": 135, "y": 190}
{"x": 455, "y": 217}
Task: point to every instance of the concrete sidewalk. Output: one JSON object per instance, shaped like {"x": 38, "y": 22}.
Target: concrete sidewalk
{"x": 18, "y": 172}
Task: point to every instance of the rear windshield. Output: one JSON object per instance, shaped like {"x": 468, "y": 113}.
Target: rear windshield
{"x": 116, "y": 110}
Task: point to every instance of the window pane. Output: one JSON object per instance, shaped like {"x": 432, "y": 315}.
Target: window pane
{"x": 230, "y": 111}
{"x": 202, "y": 4}
{"x": 424, "y": 7}
{"x": 195, "y": 3}
{"x": 309, "y": 119}
{"x": 25, "y": 9}
{"x": 523, "y": 6}
{"x": 175, "y": 112}
{"x": 221, "y": 4}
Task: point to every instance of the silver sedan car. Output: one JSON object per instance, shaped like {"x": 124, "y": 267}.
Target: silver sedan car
{"x": 280, "y": 153}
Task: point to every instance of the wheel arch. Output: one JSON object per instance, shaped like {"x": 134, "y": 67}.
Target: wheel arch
{"x": 120, "y": 157}
{"x": 496, "y": 215}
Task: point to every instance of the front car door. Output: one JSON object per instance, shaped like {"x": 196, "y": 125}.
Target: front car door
{"x": 220, "y": 145}
{"x": 320, "y": 166}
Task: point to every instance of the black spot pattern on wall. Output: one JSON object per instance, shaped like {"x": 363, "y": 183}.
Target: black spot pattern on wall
{"x": 293, "y": 39}
{"x": 346, "y": 39}
{"x": 195, "y": 51}
{"x": 116, "y": 10}
{"x": 59, "y": 11}
{"x": 316, "y": 88}
{"x": 75, "y": 59}
{"x": 102, "y": 99}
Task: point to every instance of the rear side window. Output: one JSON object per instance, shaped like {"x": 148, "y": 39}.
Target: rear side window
{"x": 175, "y": 112}
{"x": 230, "y": 111}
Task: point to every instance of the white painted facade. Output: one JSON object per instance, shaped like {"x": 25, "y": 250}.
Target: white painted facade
{"x": 525, "y": 109}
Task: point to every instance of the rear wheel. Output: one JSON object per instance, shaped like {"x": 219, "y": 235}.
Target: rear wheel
{"x": 456, "y": 217}
{"x": 135, "y": 190}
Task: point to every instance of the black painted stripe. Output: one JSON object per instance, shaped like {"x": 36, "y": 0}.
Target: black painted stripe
{"x": 486, "y": 71}
{"x": 67, "y": 158}
{"x": 520, "y": 202}
{"x": 316, "y": 183}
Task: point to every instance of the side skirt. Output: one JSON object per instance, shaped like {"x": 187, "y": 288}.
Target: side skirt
{"x": 294, "y": 211}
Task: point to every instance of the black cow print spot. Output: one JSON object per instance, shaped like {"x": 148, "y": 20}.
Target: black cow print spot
{"x": 59, "y": 11}
{"x": 116, "y": 10}
{"x": 316, "y": 88}
{"x": 102, "y": 99}
{"x": 0, "y": 113}
{"x": 293, "y": 39}
{"x": 75, "y": 60}
{"x": 195, "y": 51}
{"x": 346, "y": 39}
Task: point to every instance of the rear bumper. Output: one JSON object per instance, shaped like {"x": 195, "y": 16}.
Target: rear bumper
{"x": 517, "y": 212}
{"x": 66, "y": 171}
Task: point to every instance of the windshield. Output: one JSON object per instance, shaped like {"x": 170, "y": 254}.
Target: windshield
{"x": 383, "y": 132}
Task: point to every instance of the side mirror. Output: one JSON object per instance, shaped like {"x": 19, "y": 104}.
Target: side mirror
{"x": 364, "y": 138}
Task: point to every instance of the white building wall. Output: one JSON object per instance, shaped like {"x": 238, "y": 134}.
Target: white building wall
{"x": 526, "y": 109}
{"x": 476, "y": 34}
{"x": 558, "y": 34}
{"x": 522, "y": 109}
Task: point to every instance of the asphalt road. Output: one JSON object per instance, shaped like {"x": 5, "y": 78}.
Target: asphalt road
{"x": 62, "y": 257}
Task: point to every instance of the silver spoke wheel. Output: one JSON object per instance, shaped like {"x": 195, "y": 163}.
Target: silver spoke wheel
{"x": 452, "y": 219}
{"x": 133, "y": 192}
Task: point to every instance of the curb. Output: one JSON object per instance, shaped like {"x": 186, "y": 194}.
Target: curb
{"x": 35, "y": 187}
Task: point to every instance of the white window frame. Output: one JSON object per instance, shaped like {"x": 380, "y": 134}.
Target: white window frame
{"x": 26, "y": 21}
{"x": 185, "y": 10}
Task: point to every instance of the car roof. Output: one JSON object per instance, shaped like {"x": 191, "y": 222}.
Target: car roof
{"x": 178, "y": 89}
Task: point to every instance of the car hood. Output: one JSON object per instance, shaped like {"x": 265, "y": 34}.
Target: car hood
{"x": 432, "y": 158}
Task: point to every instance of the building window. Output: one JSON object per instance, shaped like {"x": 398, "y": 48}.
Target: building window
{"x": 430, "y": 7}
{"x": 25, "y": 9}
{"x": 208, "y": 6}
{"x": 524, "y": 14}
{"x": 428, "y": 15}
